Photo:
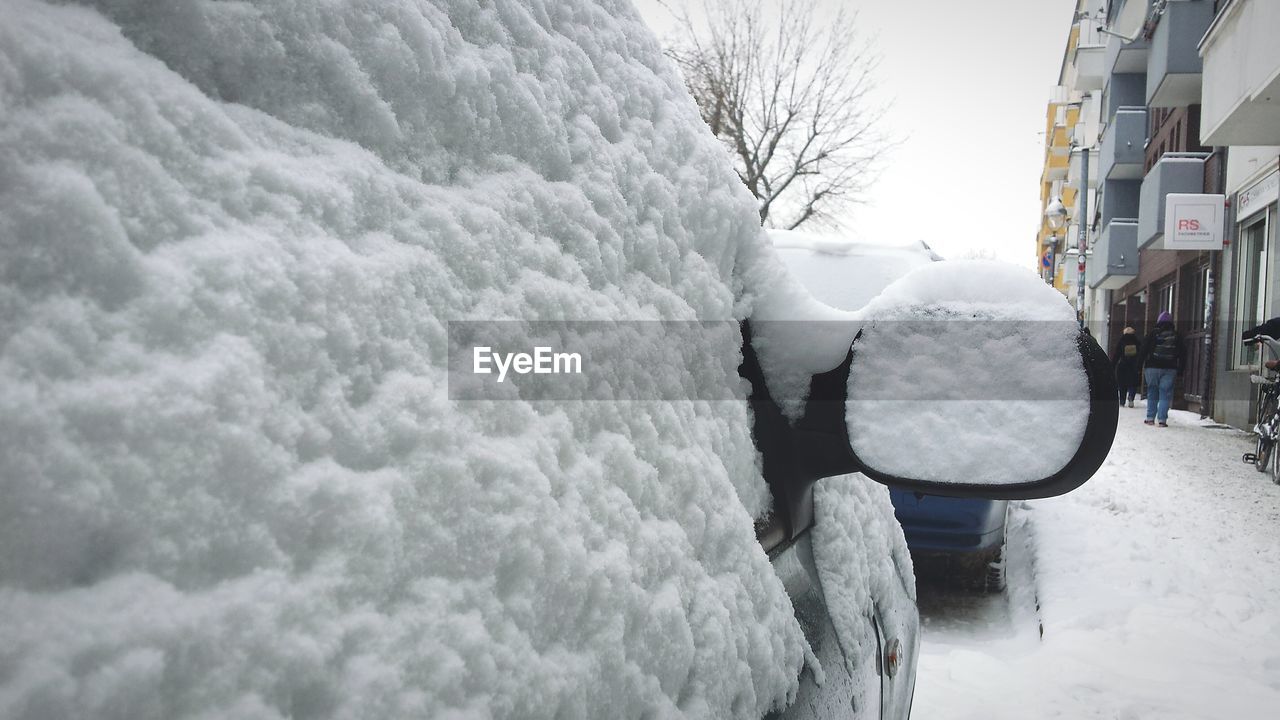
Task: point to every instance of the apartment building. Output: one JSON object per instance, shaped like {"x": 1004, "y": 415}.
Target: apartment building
{"x": 1137, "y": 66}
{"x": 1150, "y": 149}
{"x": 1072, "y": 122}
{"x": 1240, "y": 114}
{"x": 1060, "y": 124}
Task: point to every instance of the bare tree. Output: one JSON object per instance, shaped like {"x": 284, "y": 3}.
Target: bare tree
{"x": 786, "y": 88}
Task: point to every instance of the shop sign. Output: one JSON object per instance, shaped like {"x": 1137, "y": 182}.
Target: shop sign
{"x": 1258, "y": 196}
{"x": 1193, "y": 221}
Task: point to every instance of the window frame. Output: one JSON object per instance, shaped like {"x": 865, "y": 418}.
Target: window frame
{"x": 1251, "y": 287}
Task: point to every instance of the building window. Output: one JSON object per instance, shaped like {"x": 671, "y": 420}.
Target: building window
{"x": 1164, "y": 298}
{"x": 1193, "y": 303}
{"x": 1251, "y": 269}
{"x": 1202, "y": 295}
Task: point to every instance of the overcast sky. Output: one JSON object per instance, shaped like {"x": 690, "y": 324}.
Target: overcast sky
{"x": 967, "y": 83}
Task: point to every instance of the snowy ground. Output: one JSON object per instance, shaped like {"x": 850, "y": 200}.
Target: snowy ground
{"x": 1158, "y": 586}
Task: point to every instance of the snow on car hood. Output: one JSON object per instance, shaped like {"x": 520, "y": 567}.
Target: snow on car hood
{"x": 234, "y": 485}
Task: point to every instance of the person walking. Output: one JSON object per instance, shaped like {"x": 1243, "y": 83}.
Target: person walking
{"x": 1161, "y": 360}
{"x": 1125, "y": 360}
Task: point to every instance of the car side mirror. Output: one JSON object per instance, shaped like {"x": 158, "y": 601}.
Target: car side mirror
{"x": 909, "y": 407}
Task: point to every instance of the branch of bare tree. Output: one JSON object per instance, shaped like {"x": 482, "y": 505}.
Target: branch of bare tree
{"x": 787, "y": 89}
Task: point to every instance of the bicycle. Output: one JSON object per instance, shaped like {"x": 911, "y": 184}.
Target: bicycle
{"x": 1265, "y": 458}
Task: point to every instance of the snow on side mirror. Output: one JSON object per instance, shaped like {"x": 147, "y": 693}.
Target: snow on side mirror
{"x": 973, "y": 422}
{"x": 973, "y": 378}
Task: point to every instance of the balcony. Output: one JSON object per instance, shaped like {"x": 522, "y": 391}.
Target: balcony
{"x": 1126, "y": 57}
{"x": 1074, "y": 170}
{"x": 1115, "y": 256}
{"x": 1174, "y": 173}
{"x": 1242, "y": 76}
{"x": 1122, "y": 153}
{"x": 1060, "y": 141}
{"x": 1090, "y": 71}
{"x": 1056, "y": 168}
{"x": 1090, "y": 57}
{"x": 1173, "y": 67}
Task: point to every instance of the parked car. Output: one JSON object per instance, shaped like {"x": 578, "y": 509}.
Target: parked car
{"x": 235, "y": 244}
{"x": 965, "y": 537}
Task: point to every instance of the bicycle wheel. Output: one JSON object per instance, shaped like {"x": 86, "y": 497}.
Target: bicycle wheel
{"x": 1262, "y": 456}
{"x": 1275, "y": 469}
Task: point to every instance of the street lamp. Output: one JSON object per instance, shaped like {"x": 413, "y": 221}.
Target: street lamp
{"x": 1056, "y": 213}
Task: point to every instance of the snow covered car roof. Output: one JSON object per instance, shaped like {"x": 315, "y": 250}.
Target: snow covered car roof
{"x": 845, "y": 273}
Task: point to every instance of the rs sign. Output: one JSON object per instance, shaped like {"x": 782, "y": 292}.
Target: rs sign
{"x": 1193, "y": 221}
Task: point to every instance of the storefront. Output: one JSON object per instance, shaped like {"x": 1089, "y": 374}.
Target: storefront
{"x": 1251, "y": 267}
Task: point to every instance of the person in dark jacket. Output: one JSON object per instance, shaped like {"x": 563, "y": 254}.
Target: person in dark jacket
{"x": 1125, "y": 360}
{"x": 1161, "y": 360}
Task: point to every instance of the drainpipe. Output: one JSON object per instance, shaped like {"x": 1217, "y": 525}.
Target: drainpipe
{"x": 1082, "y": 241}
{"x": 1211, "y": 292}
{"x": 1206, "y": 353}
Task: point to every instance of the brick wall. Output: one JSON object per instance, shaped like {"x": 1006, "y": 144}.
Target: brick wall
{"x": 1173, "y": 130}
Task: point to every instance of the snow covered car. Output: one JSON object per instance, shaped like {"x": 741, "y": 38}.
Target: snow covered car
{"x": 968, "y": 534}
{"x": 241, "y": 473}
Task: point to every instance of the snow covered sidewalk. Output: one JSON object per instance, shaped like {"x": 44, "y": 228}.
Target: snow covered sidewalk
{"x": 1159, "y": 591}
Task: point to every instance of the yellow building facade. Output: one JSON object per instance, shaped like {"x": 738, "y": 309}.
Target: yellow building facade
{"x": 1060, "y": 126}
{"x": 1072, "y": 120}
